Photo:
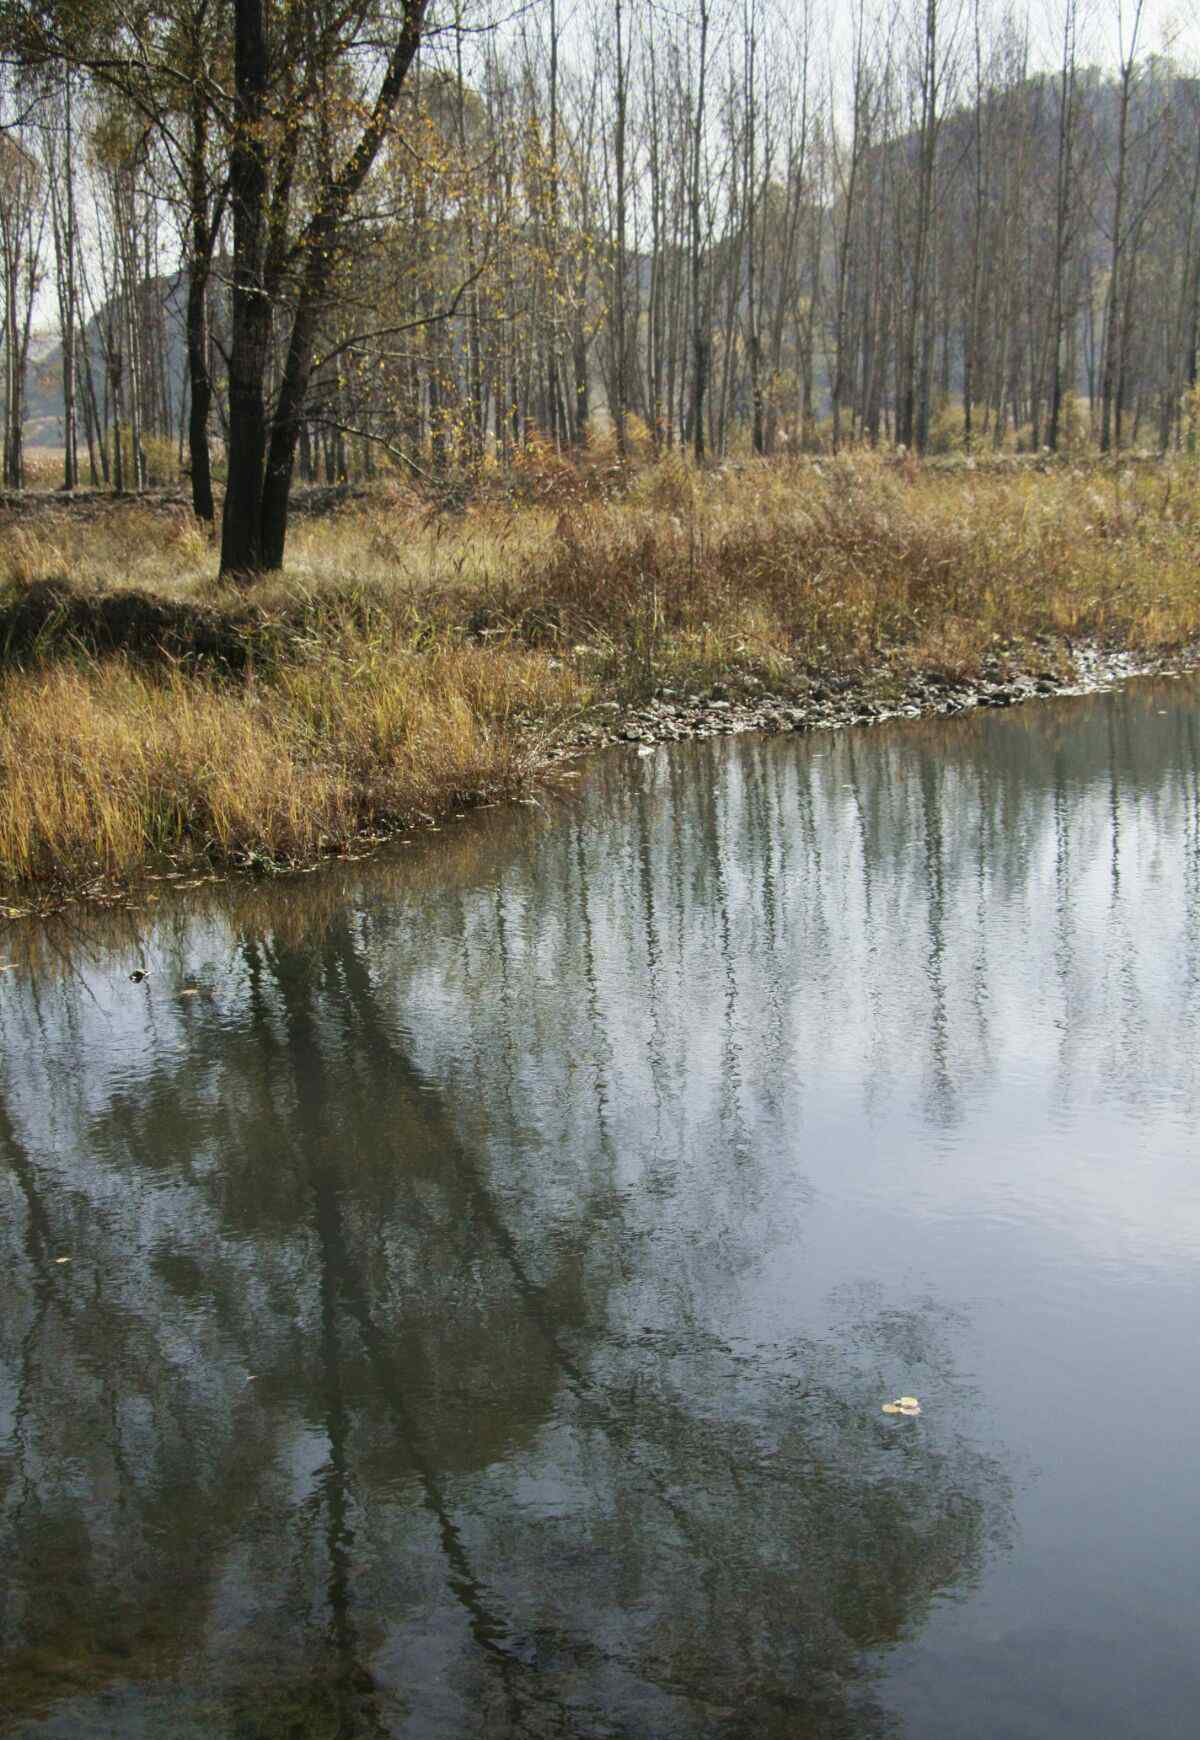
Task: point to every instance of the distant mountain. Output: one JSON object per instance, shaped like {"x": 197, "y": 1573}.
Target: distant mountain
{"x": 43, "y": 391}
{"x": 43, "y": 385}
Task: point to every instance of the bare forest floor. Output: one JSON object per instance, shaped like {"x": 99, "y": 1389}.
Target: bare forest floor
{"x": 417, "y": 655}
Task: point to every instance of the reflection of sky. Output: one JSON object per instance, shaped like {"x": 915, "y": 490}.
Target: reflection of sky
{"x": 992, "y": 1094}
{"x": 869, "y": 1057}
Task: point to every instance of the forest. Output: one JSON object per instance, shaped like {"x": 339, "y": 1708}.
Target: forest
{"x": 735, "y": 226}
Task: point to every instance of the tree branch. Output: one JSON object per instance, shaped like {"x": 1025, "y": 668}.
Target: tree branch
{"x": 447, "y": 313}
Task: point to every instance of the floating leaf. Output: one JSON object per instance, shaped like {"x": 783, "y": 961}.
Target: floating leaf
{"x": 908, "y": 1401}
{"x": 62, "y": 1259}
{"x": 892, "y": 1408}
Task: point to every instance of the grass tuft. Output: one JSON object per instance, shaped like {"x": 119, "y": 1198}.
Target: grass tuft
{"x": 105, "y": 765}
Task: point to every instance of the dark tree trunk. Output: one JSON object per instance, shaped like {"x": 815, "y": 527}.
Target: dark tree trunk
{"x": 200, "y": 402}
{"x": 241, "y": 540}
{"x": 199, "y": 266}
{"x": 260, "y": 474}
{"x": 701, "y": 351}
{"x": 285, "y": 425}
{"x": 582, "y": 394}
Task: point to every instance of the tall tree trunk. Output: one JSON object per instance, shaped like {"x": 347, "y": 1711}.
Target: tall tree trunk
{"x": 1114, "y": 341}
{"x": 319, "y": 248}
{"x": 908, "y": 384}
{"x": 199, "y": 267}
{"x": 620, "y": 265}
{"x": 1062, "y": 218}
{"x": 701, "y": 343}
{"x": 241, "y": 528}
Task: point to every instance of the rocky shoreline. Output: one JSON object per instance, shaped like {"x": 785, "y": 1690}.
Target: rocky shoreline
{"x": 836, "y": 702}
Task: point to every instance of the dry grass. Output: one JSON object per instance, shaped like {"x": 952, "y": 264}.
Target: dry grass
{"x": 397, "y": 664}
{"x": 855, "y": 560}
{"x": 106, "y": 765}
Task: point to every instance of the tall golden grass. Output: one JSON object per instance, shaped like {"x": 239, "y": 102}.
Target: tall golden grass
{"x": 106, "y": 765}
{"x": 410, "y": 656}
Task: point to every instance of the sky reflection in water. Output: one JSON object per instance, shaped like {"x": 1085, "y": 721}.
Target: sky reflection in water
{"x": 482, "y": 1294}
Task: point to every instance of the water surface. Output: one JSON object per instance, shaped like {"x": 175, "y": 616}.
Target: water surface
{"x": 481, "y": 1293}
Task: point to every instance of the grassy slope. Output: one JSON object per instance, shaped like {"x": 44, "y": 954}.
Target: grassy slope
{"x": 408, "y": 659}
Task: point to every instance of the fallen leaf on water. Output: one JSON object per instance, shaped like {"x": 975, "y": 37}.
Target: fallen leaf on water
{"x": 892, "y": 1408}
{"x": 910, "y": 1413}
{"x": 908, "y": 1401}
{"x": 62, "y": 1259}
{"x": 190, "y": 991}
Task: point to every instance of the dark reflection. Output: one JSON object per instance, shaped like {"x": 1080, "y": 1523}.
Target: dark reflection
{"x": 426, "y": 1361}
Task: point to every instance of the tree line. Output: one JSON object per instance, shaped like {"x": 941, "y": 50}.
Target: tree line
{"x": 388, "y": 233}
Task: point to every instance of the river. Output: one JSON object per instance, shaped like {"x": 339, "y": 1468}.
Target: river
{"x": 456, "y": 1293}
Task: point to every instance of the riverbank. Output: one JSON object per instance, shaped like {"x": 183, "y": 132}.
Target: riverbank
{"x": 419, "y": 657}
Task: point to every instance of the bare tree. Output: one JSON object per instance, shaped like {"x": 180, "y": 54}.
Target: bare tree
{"x": 22, "y": 235}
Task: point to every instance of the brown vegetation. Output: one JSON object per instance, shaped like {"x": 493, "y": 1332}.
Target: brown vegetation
{"x": 411, "y": 658}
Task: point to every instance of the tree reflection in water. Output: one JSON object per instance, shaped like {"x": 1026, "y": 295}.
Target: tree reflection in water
{"x": 444, "y": 1457}
{"x": 417, "y": 1368}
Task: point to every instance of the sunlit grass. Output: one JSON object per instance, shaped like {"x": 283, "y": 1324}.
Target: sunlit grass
{"x": 107, "y": 765}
